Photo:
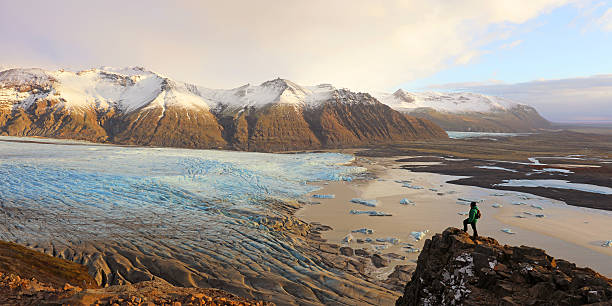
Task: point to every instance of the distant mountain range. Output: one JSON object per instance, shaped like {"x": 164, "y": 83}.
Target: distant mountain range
{"x": 464, "y": 111}
{"x": 140, "y": 107}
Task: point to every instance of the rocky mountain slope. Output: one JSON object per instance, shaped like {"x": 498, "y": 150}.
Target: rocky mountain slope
{"x": 140, "y": 107}
{"x": 455, "y": 270}
{"x": 467, "y": 111}
{"x": 28, "y": 277}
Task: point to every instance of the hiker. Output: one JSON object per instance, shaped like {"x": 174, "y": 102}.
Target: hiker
{"x": 472, "y": 217}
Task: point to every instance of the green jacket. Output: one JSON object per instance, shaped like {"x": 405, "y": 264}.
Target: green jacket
{"x": 472, "y": 215}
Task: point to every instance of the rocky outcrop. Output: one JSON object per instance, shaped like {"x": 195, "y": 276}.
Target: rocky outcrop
{"x": 453, "y": 269}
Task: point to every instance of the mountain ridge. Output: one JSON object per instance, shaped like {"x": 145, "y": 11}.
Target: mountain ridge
{"x": 467, "y": 112}
{"x": 137, "y": 106}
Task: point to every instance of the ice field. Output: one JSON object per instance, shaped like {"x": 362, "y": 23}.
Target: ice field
{"x": 190, "y": 216}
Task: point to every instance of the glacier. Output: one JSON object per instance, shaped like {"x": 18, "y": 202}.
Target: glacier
{"x": 212, "y": 214}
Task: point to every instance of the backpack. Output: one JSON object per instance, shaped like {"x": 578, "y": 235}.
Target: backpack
{"x": 478, "y": 214}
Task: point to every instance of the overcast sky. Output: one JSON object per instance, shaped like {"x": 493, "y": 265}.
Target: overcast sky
{"x": 360, "y": 44}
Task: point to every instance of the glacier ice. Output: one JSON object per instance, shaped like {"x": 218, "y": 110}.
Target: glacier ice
{"x": 324, "y": 196}
{"x": 371, "y": 203}
{"x": 363, "y": 231}
{"x": 405, "y": 201}
{"x": 418, "y": 235}
{"x": 391, "y": 240}
{"x": 369, "y": 213}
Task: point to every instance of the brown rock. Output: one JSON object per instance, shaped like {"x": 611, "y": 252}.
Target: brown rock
{"x": 379, "y": 261}
{"x": 347, "y": 251}
{"x": 520, "y": 276}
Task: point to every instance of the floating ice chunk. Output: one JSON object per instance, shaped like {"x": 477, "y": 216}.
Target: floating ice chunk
{"x": 520, "y": 217}
{"x": 392, "y": 240}
{"x": 519, "y": 203}
{"x": 371, "y": 203}
{"x": 462, "y": 203}
{"x": 403, "y": 181}
{"x": 408, "y": 185}
{"x": 462, "y": 213}
{"x": 381, "y": 247}
{"x": 324, "y": 196}
{"x": 433, "y": 189}
{"x": 498, "y": 194}
{"x": 534, "y": 161}
{"x": 539, "y": 216}
{"x": 508, "y": 231}
{"x": 405, "y": 201}
{"x": 496, "y": 168}
{"x": 557, "y": 170}
{"x": 346, "y": 178}
{"x": 537, "y": 206}
{"x": 368, "y": 212}
{"x": 364, "y": 231}
{"x": 528, "y": 213}
{"x": 496, "y": 205}
{"x": 369, "y": 240}
{"x": 348, "y": 238}
{"x": 418, "y": 235}
{"x": 607, "y": 244}
{"x": 469, "y": 200}
{"x": 411, "y": 250}
{"x": 559, "y": 184}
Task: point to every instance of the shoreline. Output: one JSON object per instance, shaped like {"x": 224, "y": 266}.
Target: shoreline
{"x": 562, "y": 232}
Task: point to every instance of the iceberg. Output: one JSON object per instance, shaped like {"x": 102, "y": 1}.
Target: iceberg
{"x": 418, "y": 235}
{"x": 405, "y": 201}
{"x": 408, "y": 185}
{"x": 469, "y": 200}
{"x": 371, "y": 203}
{"x": 368, "y": 212}
{"x": 411, "y": 250}
{"x": 392, "y": 240}
{"x": 364, "y": 231}
{"x": 324, "y": 196}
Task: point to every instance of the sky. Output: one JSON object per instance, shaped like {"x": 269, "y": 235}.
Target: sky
{"x": 552, "y": 54}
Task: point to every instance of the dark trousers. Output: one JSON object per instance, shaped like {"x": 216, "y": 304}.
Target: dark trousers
{"x": 465, "y": 224}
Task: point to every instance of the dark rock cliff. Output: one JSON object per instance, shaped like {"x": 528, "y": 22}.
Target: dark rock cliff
{"x": 453, "y": 270}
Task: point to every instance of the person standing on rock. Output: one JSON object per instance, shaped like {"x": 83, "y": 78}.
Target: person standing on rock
{"x": 472, "y": 217}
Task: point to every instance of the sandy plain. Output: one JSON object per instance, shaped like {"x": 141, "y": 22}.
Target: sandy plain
{"x": 568, "y": 232}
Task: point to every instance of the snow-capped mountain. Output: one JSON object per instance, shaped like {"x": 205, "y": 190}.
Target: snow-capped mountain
{"x": 453, "y": 102}
{"x": 465, "y": 111}
{"x": 138, "y": 106}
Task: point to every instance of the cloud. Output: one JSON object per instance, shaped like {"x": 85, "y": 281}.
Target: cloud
{"x": 511, "y": 44}
{"x": 563, "y": 100}
{"x": 360, "y": 44}
{"x": 606, "y": 20}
